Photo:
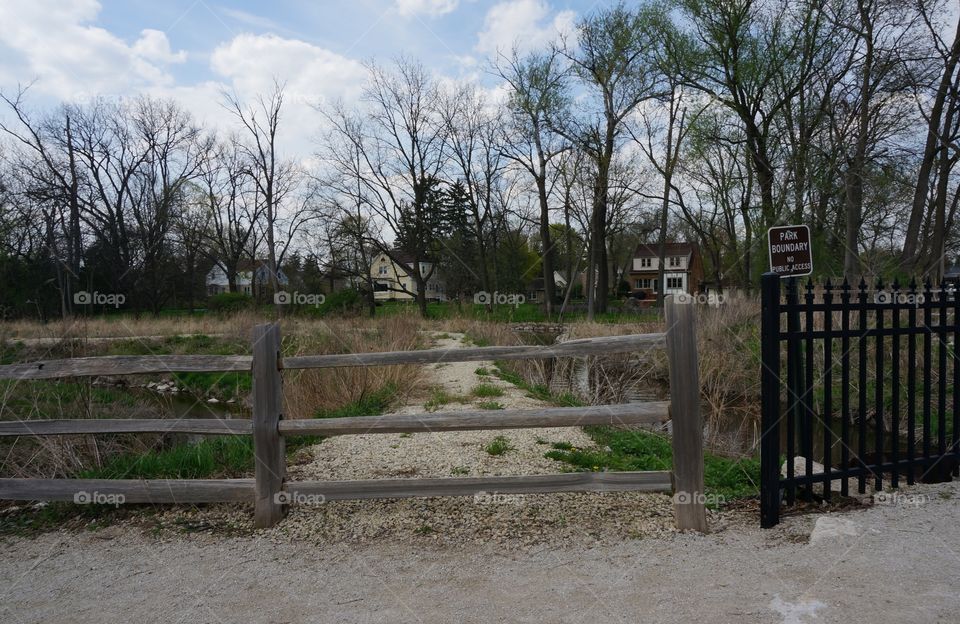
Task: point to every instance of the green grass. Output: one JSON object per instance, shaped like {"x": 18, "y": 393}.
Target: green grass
{"x": 631, "y": 449}
{"x": 490, "y": 405}
{"x": 221, "y": 385}
{"x": 58, "y": 399}
{"x": 537, "y": 391}
{"x": 642, "y": 450}
{"x": 440, "y": 397}
{"x": 222, "y": 456}
{"x": 372, "y": 404}
{"x": 481, "y": 371}
{"x": 498, "y": 446}
{"x": 484, "y": 391}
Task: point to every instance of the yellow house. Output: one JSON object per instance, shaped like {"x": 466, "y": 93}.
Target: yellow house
{"x": 395, "y": 282}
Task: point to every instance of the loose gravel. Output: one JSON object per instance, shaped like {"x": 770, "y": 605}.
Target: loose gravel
{"x": 519, "y": 519}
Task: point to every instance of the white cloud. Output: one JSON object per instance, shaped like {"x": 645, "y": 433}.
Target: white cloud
{"x": 523, "y": 23}
{"x": 312, "y": 74}
{"x": 57, "y": 46}
{"x": 433, "y": 8}
{"x": 153, "y": 45}
{"x": 248, "y": 64}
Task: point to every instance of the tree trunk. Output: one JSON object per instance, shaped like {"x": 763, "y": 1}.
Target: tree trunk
{"x": 549, "y": 287}
{"x": 854, "y": 194}
{"x": 910, "y": 244}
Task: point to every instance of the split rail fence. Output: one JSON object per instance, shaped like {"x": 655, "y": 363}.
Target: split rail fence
{"x": 269, "y": 489}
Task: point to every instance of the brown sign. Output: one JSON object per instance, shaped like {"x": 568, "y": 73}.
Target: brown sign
{"x": 790, "y": 252}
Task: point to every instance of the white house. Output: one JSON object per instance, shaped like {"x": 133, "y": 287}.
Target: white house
{"x": 391, "y": 279}
{"x": 248, "y": 274}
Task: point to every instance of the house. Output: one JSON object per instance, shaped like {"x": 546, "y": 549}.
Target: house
{"x": 536, "y": 292}
{"x": 393, "y": 281}
{"x": 334, "y": 279}
{"x": 683, "y": 269}
{"x": 251, "y": 274}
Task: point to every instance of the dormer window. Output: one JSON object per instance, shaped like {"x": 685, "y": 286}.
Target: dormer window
{"x": 674, "y": 261}
{"x": 645, "y": 262}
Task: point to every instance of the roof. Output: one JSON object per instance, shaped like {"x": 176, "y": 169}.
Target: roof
{"x": 403, "y": 256}
{"x": 249, "y": 265}
{"x": 645, "y": 250}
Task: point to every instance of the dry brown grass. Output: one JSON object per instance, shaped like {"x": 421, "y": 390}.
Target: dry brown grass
{"x": 728, "y": 341}
{"x": 308, "y": 391}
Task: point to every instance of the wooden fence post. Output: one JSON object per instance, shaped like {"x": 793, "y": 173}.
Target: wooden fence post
{"x": 688, "y": 500}
{"x": 268, "y": 445}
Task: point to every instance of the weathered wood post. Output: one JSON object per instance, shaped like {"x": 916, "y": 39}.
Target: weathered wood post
{"x": 268, "y": 445}
{"x": 688, "y": 499}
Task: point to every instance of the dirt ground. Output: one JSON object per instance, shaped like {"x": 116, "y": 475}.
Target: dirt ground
{"x": 896, "y": 562}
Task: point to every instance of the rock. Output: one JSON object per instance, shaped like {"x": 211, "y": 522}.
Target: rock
{"x": 800, "y": 469}
{"x": 212, "y": 401}
{"x": 831, "y": 527}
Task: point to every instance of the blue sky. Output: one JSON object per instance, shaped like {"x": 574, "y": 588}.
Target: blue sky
{"x": 192, "y": 50}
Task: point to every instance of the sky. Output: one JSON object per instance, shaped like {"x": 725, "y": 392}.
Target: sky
{"x": 193, "y": 50}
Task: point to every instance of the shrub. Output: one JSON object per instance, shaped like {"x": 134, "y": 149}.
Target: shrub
{"x": 229, "y": 302}
{"x": 346, "y": 302}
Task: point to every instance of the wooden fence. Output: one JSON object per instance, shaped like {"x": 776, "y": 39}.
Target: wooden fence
{"x": 269, "y": 489}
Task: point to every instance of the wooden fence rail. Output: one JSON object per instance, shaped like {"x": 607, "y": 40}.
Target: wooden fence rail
{"x": 271, "y": 492}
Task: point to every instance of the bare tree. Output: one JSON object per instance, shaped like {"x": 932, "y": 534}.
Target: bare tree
{"x": 273, "y": 176}
{"x": 615, "y": 61}
{"x": 400, "y": 144}
{"x": 537, "y": 94}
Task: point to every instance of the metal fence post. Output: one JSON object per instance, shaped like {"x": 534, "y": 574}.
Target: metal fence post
{"x": 268, "y": 445}
{"x": 688, "y": 501}
{"x": 770, "y": 400}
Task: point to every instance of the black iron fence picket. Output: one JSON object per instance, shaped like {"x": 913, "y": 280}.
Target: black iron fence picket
{"x": 866, "y": 338}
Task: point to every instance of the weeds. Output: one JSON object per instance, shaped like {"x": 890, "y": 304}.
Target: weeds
{"x": 498, "y": 446}
{"x": 485, "y": 390}
{"x": 490, "y": 405}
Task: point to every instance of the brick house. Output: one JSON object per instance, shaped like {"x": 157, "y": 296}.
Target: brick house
{"x": 683, "y": 269}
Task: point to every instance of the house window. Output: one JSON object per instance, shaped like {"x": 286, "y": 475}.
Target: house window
{"x": 674, "y": 261}
{"x": 674, "y": 282}
{"x": 645, "y": 262}
{"x": 383, "y": 270}
{"x": 644, "y": 282}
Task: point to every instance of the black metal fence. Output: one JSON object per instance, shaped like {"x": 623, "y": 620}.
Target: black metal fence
{"x": 865, "y": 388}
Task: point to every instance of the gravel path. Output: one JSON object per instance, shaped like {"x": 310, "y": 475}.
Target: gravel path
{"x": 887, "y": 563}
{"x": 528, "y": 519}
